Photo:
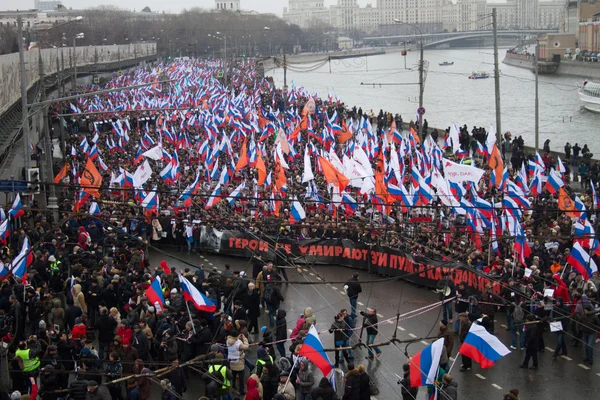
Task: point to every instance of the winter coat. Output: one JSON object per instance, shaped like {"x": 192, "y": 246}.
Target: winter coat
{"x": 252, "y": 303}
{"x": 370, "y": 323}
{"x": 101, "y": 393}
{"x": 324, "y": 391}
{"x": 352, "y": 385}
{"x": 259, "y": 386}
{"x": 353, "y": 288}
{"x": 281, "y": 325}
{"x": 448, "y": 339}
{"x": 305, "y": 380}
{"x": 289, "y": 393}
{"x": 408, "y": 392}
{"x": 106, "y": 328}
{"x": 232, "y": 341}
{"x": 309, "y": 319}
{"x": 251, "y": 390}
{"x": 449, "y": 391}
{"x": 79, "y": 298}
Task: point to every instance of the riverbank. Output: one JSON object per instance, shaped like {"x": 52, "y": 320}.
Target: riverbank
{"x": 577, "y": 69}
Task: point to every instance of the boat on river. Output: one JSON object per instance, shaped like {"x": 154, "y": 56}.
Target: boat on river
{"x": 446, "y": 63}
{"x": 589, "y": 94}
{"x": 479, "y": 75}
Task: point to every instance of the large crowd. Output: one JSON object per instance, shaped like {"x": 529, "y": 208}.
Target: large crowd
{"x": 236, "y": 153}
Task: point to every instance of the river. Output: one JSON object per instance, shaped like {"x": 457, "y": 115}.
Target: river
{"x": 450, "y": 97}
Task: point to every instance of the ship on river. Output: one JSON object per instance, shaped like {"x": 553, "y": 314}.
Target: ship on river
{"x": 589, "y": 94}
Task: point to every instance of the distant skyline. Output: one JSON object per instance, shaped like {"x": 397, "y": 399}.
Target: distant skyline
{"x": 172, "y": 6}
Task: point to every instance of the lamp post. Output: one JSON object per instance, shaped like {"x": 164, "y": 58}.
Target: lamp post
{"x": 421, "y": 73}
{"x": 78, "y": 36}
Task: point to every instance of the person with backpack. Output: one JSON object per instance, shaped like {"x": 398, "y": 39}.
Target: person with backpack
{"x": 273, "y": 299}
{"x": 517, "y": 314}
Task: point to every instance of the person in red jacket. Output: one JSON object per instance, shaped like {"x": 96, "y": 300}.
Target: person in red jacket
{"x": 124, "y": 331}
{"x": 79, "y": 331}
{"x": 560, "y": 288}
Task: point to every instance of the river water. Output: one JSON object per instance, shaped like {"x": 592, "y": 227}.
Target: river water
{"x": 450, "y": 97}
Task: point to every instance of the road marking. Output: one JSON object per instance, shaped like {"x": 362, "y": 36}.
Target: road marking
{"x": 549, "y": 349}
{"x": 401, "y": 328}
{"x": 567, "y": 358}
{"x": 380, "y": 316}
{"x": 334, "y": 288}
{"x": 311, "y": 274}
{"x": 412, "y": 335}
{"x": 210, "y": 263}
{"x": 598, "y": 373}
{"x": 341, "y": 292}
{"x": 360, "y": 304}
{"x": 583, "y": 366}
{"x": 504, "y": 326}
{"x": 425, "y": 343}
{"x": 219, "y": 271}
{"x": 451, "y": 358}
{"x": 319, "y": 278}
{"x": 289, "y": 330}
{"x": 481, "y": 377}
{"x": 496, "y": 386}
{"x": 305, "y": 269}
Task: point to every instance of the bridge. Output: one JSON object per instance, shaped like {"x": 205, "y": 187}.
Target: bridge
{"x": 432, "y": 40}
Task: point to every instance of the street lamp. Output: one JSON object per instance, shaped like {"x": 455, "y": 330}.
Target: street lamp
{"x": 421, "y": 72}
{"x": 74, "y": 83}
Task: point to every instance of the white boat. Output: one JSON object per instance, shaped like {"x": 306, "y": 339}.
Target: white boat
{"x": 589, "y": 94}
{"x": 479, "y": 75}
{"x": 446, "y": 63}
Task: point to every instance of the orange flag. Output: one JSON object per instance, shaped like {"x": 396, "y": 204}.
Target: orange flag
{"x": 91, "y": 179}
{"x": 262, "y": 170}
{"x": 345, "y": 135}
{"x": 62, "y": 173}
{"x": 280, "y": 178}
{"x": 495, "y": 162}
{"x": 332, "y": 175}
{"x": 302, "y": 125}
{"x": 243, "y": 160}
{"x": 414, "y": 133}
{"x": 565, "y": 203}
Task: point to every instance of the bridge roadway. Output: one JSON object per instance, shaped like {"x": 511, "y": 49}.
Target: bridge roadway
{"x": 435, "y": 39}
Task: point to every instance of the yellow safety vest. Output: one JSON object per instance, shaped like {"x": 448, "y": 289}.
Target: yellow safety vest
{"x": 262, "y": 362}
{"x": 222, "y": 369}
{"x": 28, "y": 364}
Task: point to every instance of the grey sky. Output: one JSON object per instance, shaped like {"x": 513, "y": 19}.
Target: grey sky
{"x": 271, "y": 6}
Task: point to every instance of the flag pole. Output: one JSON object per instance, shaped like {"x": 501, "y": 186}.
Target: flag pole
{"x": 190, "y": 314}
{"x": 290, "y": 374}
{"x": 453, "y": 362}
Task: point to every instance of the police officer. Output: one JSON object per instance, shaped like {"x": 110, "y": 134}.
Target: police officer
{"x": 55, "y": 266}
{"x": 29, "y": 352}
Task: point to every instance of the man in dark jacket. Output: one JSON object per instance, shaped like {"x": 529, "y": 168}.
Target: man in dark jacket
{"x": 141, "y": 343}
{"x": 106, "y": 327}
{"x": 203, "y": 338}
{"x": 281, "y": 331}
{"x": 339, "y": 338}
{"x": 449, "y": 390}
{"x": 408, "y": 392}
{"x": 252, "y": 303}
{"x": 462, "y": 304}
{"x": 353, "y": 289}
{"x": 370, "y": 323}
{"x": 352, "y": 382}
{"x": 531, "y": 343}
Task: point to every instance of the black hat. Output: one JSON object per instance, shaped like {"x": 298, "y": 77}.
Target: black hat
{"x": 92, "y": 383}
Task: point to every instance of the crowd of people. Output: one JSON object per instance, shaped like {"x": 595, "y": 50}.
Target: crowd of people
{"x": 84, "y": 308}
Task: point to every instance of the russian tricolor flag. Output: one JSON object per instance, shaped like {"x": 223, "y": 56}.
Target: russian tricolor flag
{"x": 18, "y": 266}
{"x": 190, "y": 293}
{"x": 150, "y": 202}
{"x": 17, "y": 208}
{"x": 297, "y": 213}
{"x": 424, "y": 366}
{"x": 154, "y": 294}
{"x": 236, "y": 193}
{"x": 94, "y": 209}
{"x": 214, "y": 198}
{"x": 483, "y": 347}
{"x": 554, "y": 182}
{"x": 312, "y": 348}
{"x": 4, "y": 272}
{"x": 581, "y": 261}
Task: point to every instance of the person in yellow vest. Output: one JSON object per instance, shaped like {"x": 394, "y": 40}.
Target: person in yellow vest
{"x": 29, "y": 352}
{"x": 220, "y": 377}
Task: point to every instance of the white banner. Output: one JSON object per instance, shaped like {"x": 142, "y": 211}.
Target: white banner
{"x": 142, "y": 174}
{"x": 460, "y": 173}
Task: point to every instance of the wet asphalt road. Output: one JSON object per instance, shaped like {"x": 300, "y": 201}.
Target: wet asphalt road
{"x": 559, "y": 379}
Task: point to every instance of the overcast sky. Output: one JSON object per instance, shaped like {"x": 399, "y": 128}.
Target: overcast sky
{"x": 271, "y": 6}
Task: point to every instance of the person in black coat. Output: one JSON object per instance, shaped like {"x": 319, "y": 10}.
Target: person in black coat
{"x": 531, "y": 343}
{"x": 203, "y": 338}
{"x": 353, "y": 289}
{"x": 352, "y": 384}
{"x": 252, "y": 302}
{"x": 462, "y": 304}
{"x": 324, "y": 391}
{"x": 177, "y": 379}
{"x": 239, "y": 312}
{"x": 141, "y": 343}
{"x": 281, "y": 331}
{"x": 106, "y": 326}
{"x": 408, "y": 392}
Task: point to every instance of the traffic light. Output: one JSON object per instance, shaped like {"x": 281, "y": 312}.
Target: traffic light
{"x": 33, "y": 180}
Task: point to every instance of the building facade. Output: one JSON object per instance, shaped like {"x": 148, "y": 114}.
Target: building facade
{"x": 228, "y": 5}
{"x": 454, "y": 15}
